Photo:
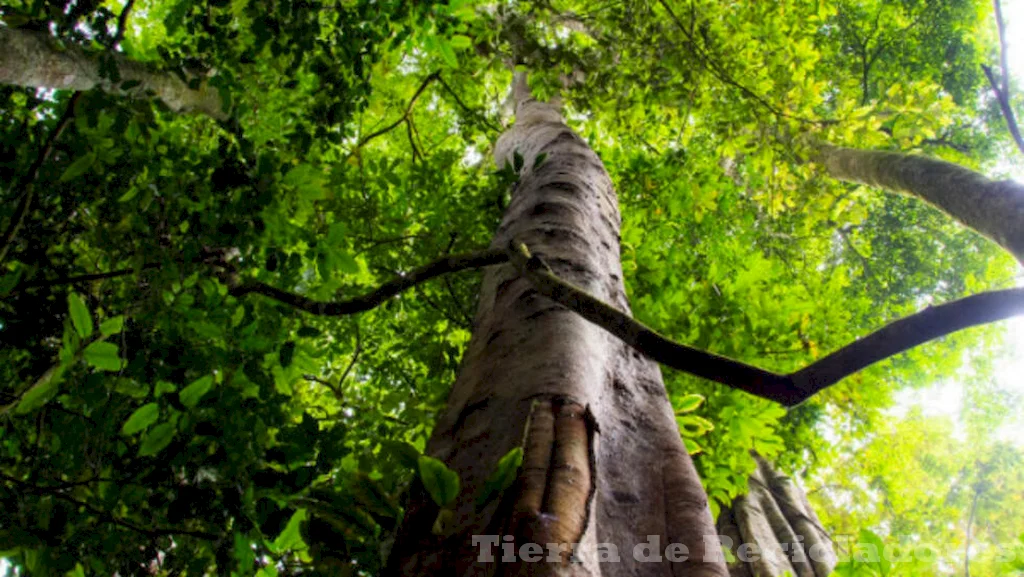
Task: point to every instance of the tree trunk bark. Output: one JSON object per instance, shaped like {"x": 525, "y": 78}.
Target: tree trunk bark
{"x": 603, "y": 459}
{"x": 993, "y": 208}
{"x": 778, "y": 528}
{"x": 33, "y": 59}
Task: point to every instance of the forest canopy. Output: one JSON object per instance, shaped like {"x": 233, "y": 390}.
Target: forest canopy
{"x": 156, "y": 155}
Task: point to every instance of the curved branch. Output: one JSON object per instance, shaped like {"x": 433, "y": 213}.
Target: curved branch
{"x": 448, "y": 264}
{"x": 788, "y": 389}
{"x": 793, "y": 388}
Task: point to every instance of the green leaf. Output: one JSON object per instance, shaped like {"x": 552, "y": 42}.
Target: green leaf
{"x": 307, "y": 180}
{"x": 163, "y": 387}
{"x": 157, "y": 439}
{"x": 692, "y": 447}
{"x": 80, "y": 316}
{"x": 406, "y": 455}
{"x": 461, "y": 42}
{"x": 112, "y": 326}
{"x": 504, "y": 475}
{"x": 78, "y": 167}
{"x": 346, "y": 263}
{"x": 694, "y": 426}
{"x": 244, "y": 555}
{"x": 141, "y": 419}
{"x": 291, "y": 538}
{"x": 517, "y": 161}
{"x": 9, "y": 281}
{"x": 42, "y": 391}
{"x": 441, "y": 482}
{"x": 448, "y": 54}
{"x": 193, "y": 393}
{"x": 309, "y": 332}
{"x": 689, "y": 403}
{"x": 103, "y": 356}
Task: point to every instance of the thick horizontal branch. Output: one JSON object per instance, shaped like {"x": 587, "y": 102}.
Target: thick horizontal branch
{"x": 37, "y": 60}
{"x": 793, "y": 388}
{"x": 448, "y": 264}
{"x": 787, "y": 389}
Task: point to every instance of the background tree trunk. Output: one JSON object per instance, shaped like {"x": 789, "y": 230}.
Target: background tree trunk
{"x": 604, "y": 462}
{"x": 29, "y": 58}
{"x": 776, "y": 517}
{"x": 993, "y": 208}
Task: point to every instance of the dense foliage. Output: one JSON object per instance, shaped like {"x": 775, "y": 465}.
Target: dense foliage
{"x": 152, "y": 423}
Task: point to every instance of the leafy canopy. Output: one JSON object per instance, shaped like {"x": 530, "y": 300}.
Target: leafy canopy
{"x": 151, "y": 420}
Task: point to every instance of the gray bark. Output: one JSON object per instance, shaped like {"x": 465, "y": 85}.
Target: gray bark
{"x": 34, "y": 59}
{"x": 775, "y": 521}
{"x": 604, "y": 462}
{"x": 993, "y": 208}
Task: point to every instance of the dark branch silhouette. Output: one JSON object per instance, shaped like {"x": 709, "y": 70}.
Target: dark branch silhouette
{"x": 787, "y": 389}
{"x": 445, "y": 265}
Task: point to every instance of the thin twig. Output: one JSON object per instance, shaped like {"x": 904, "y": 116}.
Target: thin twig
{"x": 481, "y": 116}
{"x": 1002, "y": 90}
{"x": 27, "y": 181}
{"x": 448, "y": 264}
{"x": 355, "y": 357}
{"x": 157, "y": 532}
{"x": 405, "y": 115}
{"x": 710, "y": 65}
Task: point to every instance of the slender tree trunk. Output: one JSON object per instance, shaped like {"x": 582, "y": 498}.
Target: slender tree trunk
{"x": 993, "y": 208}
{"x": 604, "y": 462}
{"x": 34, "y": 59}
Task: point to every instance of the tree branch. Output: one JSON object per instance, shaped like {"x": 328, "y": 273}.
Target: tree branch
{"x": 122, "y": 20}
{"x": 787, "y": 389}
{"x": 1002, "y": 91}
{"x": 405, "y": 115}
{"x": 448, "y": 264}
{"x": 110, "y": 518}
{"x": 26, "y": 182}
{"x": 791, "y": 389}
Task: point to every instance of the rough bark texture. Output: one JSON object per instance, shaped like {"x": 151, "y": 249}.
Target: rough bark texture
{"x": 773, "y": 529}
{"x": 993, "y": 208}
{"x": 29, "y": 58}
{"x": 603, "y": 461}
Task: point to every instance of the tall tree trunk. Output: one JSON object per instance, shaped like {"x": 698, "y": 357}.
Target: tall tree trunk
{"x": 33, "y": 59}
{"x": 603, "y": 462}
{"x": 993, "y": 208}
